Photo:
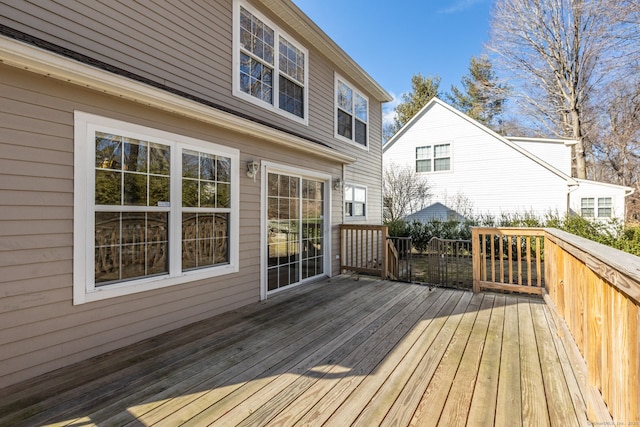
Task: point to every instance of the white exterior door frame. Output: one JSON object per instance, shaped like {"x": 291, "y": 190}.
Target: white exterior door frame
{"x": 267, "y": 167}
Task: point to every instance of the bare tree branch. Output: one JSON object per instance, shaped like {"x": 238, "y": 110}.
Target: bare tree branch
{"x": 404, "y": 192}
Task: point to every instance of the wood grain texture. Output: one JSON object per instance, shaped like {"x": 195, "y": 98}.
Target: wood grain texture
{"x": 483, "y": 404}
{"x": 338, "y": 352}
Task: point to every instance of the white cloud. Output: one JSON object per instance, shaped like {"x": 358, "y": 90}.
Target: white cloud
{"x": 459, "y": 6}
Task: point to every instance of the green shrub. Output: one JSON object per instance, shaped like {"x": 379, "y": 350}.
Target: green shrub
{"x": 611, "y": 233}
{"x": 398, "y": 228}
{"x": 420, "y": 235}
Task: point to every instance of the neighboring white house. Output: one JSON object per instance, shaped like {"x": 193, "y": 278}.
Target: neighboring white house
{"x": 472, "y": 169}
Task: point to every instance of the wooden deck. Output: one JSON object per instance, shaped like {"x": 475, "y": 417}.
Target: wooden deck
{"x": 340, "y": 352}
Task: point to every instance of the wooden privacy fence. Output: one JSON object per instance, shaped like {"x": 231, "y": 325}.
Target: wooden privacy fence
{"x": 368, "y": 249}
{"x": 509, "y": 259}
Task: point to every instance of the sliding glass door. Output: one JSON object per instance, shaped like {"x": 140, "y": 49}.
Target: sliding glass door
{"x": 295, "y": 229}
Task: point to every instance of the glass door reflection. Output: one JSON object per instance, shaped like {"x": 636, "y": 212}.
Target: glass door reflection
{"x": 295, "y": 233}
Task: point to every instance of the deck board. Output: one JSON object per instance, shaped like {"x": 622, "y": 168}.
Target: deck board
{"x": 409, "y": 376}
{"x": 458, "y": 401}
{"x": 337, "y": 352}
{"x": 483, "y": 403}
{"x": 434, "y": 390}
{"x": 552, "y": 375}
{"x": 509, "y": 402}
{"x": 534, "y": 405}
{"x": 346, "y": 387}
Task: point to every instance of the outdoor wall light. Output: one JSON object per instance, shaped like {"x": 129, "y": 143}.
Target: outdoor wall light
{"x": 337, "y": 184}
{"x": 252, "y": 169}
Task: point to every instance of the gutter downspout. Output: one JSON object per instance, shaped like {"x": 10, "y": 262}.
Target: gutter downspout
{"x": 571, "y": 189}
{"x": 624, "y": 204}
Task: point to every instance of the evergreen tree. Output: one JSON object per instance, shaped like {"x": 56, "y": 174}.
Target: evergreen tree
{"x": 423, "y": 89}
{"x": 482, "y": 97}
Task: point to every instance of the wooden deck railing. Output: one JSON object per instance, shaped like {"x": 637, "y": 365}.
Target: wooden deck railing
{"x": 367, "y": 249}
{"x": 508, "y": 259}
{"x": 596, "y": 290}
{"x": 593, "y": 289}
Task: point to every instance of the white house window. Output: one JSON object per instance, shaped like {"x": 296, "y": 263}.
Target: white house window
{"x": 132, "y": 207}
{"x": 206, "y": 200}
{"x": 152, "y": 209}
{"x": 271, "y": 67}
{"x": 352, "y": 113}
{"x": 587, "y": 205}
{"x": 433, "y": 158}
{"x": 355, "y": 201}
{"x": 605, "y": 207}
{"x": 441, "y": 157}
{"x": 423, "y": 159}
{"x": 602, "y": 206}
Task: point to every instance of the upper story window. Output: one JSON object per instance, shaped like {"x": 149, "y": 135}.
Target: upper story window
{"x": 152, "y": 209}
{"x": 270, "y": 67}
{"x": 602, "y": 207}
{"x": 352, "y": 113}
{"x": 355, "y": 201}
{"x": 433, "y": 158}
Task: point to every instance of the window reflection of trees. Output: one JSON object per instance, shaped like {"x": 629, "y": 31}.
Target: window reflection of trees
{"x": 130, "y": 244}
{"x": 205, "y": 240}
{"x": 130, "y": 172}
{"x": 296, "y": 223}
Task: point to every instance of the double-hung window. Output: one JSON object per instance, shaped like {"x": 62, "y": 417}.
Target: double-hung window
{"x": 352, "y": 113}
{"x": 423, "y": 159}
{"x": 152, "y": 208}
{"x": 587, "y": 207}
{"x": 605, "y": 207}
{"x": 270, "y": 67}
{"x": 600, "y": 207}
{"x": 355, "y": 201}
{"x": 433, "y": 158}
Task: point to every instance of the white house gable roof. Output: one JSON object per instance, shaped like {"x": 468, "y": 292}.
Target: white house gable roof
{"x": 435, "y": 101}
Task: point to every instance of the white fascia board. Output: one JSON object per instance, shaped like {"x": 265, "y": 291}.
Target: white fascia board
{"x": 628, "y": 190}
{"x": 567, "y": 142}
{"x": 30, "y": 58}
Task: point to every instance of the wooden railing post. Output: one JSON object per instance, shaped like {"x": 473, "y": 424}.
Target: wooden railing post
{"x": 476, "y": 258}
{"x": 385, "y": 255}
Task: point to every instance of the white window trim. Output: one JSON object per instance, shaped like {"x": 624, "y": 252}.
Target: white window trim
{"x": 336, "y": 135}
{"x": 596, "y": 206}
{"x": 266, "y": 167}
{"x": 366, "y": 203}
{"x": 276, "y": 73}
{"x": 433, "y": 158}
{"x": 84, "y": 289}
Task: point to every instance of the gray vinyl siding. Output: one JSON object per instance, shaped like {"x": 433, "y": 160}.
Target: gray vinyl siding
{"x": 40, "y": 328}
{"x": 185, "y": 45}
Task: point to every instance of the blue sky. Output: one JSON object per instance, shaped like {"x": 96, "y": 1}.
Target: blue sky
{"x": 395, "y": 39}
